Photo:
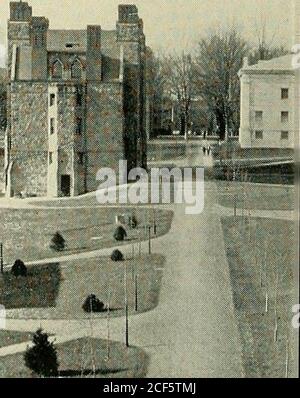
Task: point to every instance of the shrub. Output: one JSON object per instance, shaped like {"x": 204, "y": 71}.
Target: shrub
{"x": 133, "y": 222}
{"x": 120, "y": 234}
{"x": 93, "y": 304}
{"x": 19, "y": 269}
{"x": 41, "y": 358}
{"x": 58, "y": 243}
{"x": 117, "y": 256}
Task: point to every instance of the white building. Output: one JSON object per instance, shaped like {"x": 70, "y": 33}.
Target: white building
{"x": 269, "y": 98}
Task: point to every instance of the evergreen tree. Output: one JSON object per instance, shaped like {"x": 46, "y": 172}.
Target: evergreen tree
{"x": 41, "y": 358}
{"x": 58, "y": 243}
{"x": 19, "y": 269}
{"x": 120, "y": 234}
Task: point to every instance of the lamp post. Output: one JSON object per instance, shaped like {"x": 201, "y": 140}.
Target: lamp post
{"x": 1, "y": 258}
{"x": 149, "y": 238}
{"x": 126, "y": 308}
{"x": 108, "y": 325}
{"x": 136, "y": 293}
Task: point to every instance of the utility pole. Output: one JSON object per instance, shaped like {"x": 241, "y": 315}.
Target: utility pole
{"x": 267, "y": 293}
{"x": 235, "y": 205}
{"x": 126, "y": 308}
{"x": 149, "y": 237}
{"x": 1, "y": 258}
{"x": 91, "y": 340}
{"x": 287, "y": 357}
{"x": 154, "y": 222}
{"x": 140, "y": 245}
{"x": 275, "y": 305}
{"x": 136, "y": 293}
{"x": 108, "y": 325}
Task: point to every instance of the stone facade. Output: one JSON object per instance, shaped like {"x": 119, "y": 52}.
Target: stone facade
{"x": 269, "y": 117}
{"x": 76, "y": 100}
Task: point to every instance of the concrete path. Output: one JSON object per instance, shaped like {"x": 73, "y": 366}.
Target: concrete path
{"x": 193, "y": 331}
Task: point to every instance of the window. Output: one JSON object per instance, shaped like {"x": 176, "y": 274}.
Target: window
{"x": 76, "y": 70}
{"x": 50, "y": 157}
{"x": 284, "y": 93}
{"x": 52, "y": 126}
{"x": 57, "y": 70}
{"x": 258, "y": 116}
{"x": 284, "y": 117}
{"x": 79, "y": 126}
{"x": 259, "y": 134}
{"x": 52, "y": 99}
{"x": 284, "y": 135}
{"x": 81, "y": 158}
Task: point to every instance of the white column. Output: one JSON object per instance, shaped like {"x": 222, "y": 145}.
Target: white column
{"x": 245, "y": 132}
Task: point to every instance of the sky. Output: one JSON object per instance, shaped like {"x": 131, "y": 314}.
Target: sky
{"x": 169, "y": 24}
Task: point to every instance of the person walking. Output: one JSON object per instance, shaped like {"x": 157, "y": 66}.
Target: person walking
{"x": 204, "y": 150}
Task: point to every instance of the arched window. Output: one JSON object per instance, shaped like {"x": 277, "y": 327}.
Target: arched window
{"x": 76, "y": 69}
{"x": 57, "y": 69}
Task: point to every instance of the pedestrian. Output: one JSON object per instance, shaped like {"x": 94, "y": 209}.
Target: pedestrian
{"x": 204, "y": 150}
{"x": 208, "y": 150}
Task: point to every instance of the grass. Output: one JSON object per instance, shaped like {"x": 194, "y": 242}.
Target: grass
{"x": 26, "y": 233}
{"x": 9, "y": 337}
{"x": 257, "y": 260}
{"x": 38, "y": 290}
{"x": 255, "y": 196}
{"x": 103, "y": 277}
{"x": 75, "y": 361}
{"x": 232, "y": 150}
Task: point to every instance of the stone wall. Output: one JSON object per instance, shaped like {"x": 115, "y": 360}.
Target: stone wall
{"x": 29, "y": 137}
{"x": 104, "y": 124}
{"x": 70, "y": 141}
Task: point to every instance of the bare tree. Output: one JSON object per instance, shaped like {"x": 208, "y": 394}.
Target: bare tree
{"x": 178, "y": 74}
{"x": 219, "y": 58}
{"x": 265, "y": 48}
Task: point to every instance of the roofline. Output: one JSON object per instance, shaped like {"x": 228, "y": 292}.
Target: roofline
{"x": 266, "y": 72}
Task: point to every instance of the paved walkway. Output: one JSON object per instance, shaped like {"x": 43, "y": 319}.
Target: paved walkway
{"x": 193, "y": 331}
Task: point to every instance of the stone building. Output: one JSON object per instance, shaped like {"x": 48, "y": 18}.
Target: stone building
{"x": 76, "y": 102}
{"x": 268, "y": 104}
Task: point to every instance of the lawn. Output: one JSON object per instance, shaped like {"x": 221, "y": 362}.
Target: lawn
{"x": 255, "y": 196}
{"x": 75, "y": 361}
{"x": 38, "y": 289}
{"x": 261, "y": 266}
{"x": 166, "y": 151}
{"x": 104, "y": 278}
{"x": 27, "y": 233}
{"x": 9, "y": 337}
{"x": 232, "y": 150}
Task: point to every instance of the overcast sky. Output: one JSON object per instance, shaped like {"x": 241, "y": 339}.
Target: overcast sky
{"x": 169, "y": 24}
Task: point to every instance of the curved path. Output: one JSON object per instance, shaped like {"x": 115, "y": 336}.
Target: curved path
{"x": 193, "y": 331}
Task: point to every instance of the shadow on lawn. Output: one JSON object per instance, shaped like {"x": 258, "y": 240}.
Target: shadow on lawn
{"x": 90, "y": 372}
{"x": 39, "y": 289}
